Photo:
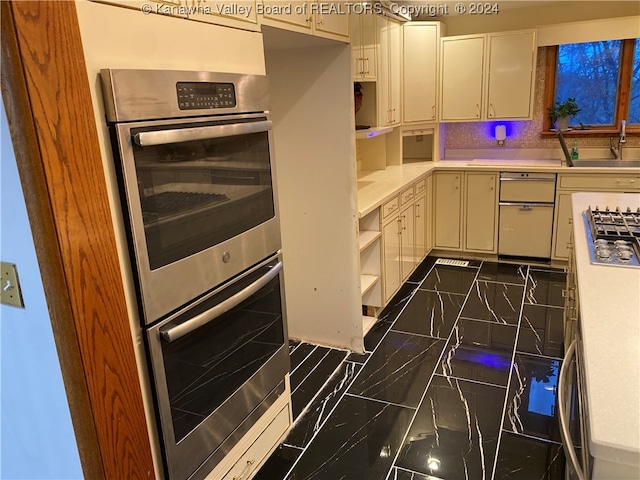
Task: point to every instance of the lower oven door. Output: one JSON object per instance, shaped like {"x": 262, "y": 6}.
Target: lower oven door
{"x": 217, "y": 365}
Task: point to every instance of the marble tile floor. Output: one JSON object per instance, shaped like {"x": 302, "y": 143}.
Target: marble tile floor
{"x": 458, "y": 381}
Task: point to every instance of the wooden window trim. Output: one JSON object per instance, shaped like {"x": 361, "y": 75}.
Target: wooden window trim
{"x": 622, "y": 100}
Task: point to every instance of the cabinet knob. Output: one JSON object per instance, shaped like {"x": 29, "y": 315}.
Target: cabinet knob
{"x": 478, "y": 110}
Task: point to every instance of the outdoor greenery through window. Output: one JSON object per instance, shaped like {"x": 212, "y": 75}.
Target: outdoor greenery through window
{"x": 604, "y": 79}
{"x": 589, "y": 72}
{"x": 634, "y": 105}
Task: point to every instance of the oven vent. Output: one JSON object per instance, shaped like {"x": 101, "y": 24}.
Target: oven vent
{"x": 451, "y": 262}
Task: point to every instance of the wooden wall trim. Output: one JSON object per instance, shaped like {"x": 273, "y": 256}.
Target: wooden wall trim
{"x": 46, "y": 92}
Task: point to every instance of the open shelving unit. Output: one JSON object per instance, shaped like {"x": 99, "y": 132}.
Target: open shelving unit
{"x": 369, "y": 240}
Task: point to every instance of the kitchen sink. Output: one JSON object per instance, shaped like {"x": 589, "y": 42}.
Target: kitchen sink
{"x": 607, "y": 163}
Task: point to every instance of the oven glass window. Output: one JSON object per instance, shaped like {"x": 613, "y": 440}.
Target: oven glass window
{"x": 205, "y": 367}
{"x": 196, "y": 194}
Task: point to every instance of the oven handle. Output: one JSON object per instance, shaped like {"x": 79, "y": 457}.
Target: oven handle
{"x": 174, "y": 333}
{"x": 163, "y": 137}
{"x": 564, "y": 427}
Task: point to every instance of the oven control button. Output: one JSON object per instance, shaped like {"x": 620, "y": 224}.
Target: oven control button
{"x": 226, "y": 256}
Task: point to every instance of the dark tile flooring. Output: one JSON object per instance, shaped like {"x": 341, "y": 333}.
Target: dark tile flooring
{"x": 458, "y": 382}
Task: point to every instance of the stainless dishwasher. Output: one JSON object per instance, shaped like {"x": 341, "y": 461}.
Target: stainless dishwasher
{"x": 526, "y": 214}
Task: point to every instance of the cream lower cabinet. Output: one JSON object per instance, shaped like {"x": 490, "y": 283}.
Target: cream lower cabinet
{"x": 481, "y": 212}
{"x": 391, "y": 241}
{"x": 401, "y": 217}
{"x": 407, "y": 241}
{"x": 421, "y": 216}
{"x": 568, "y": 184}
{"x": 466, "y": 211}
{"x": 448, "y": 210}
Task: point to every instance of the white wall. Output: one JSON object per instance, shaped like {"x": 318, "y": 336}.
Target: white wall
{"x": 37, "y": 439}
{"x": 312, "y": 107}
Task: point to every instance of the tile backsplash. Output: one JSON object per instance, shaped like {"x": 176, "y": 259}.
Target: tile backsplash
{"x": 523, "y": 134}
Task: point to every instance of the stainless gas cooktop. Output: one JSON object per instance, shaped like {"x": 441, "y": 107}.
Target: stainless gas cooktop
{"x": 613, "y": 236}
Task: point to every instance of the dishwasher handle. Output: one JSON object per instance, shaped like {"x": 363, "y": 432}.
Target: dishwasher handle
{"x": 526, "y": 206}
{"x": 567, "y": 443}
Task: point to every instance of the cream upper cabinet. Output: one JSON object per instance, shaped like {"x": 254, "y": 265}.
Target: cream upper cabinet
{"x": 363, "y": 46}
{"x": 240, "y": 14}
{"x": 487, "y": 77}
{"x": 331, "y": 20}
{"x": 420, "y": 46}
{"x": 311, "y": 17}
{"x": 511, "y": 75}
{"x": 448, "y": 210}
{"x": 462, "y": 76}
{"x": 389, "y": 74}
{"x": 480, "y": 213}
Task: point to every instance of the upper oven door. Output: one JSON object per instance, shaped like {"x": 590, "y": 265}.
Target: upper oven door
{"x": 200, "y": 197}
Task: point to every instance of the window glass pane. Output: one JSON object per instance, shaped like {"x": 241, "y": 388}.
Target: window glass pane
{"x": 634, "y": 107}
{"x": 588, "y": 72}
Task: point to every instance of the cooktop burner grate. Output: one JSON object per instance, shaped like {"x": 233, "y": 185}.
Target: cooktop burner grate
{"x": 614, "y": 236}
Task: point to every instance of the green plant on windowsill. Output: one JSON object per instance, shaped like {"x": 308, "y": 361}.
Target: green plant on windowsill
{"x": 562, "y": 112}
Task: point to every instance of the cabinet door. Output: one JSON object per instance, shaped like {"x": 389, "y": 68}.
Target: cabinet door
{"x": 241, "y": 14}
{"x": 368, "y": 39}
{"x": 563, "y": 226}
{"x": 331, "y": 22}
{"x": 295, "y": 15}
{"x": 481, "y": 226}
{"x": 363, "y": 46}
{"x": 407, "y": 239}
{"x": 391, "y": 256}
{"x": 429, "y": 214}
{"x": 357, "y": 60}
{"x": 512, "y": 62}
{"x": 448, "y": 205}
{"x": 461, "y": 84}
{"x": 384, "y": 112}
{"x": 395, "y": 72}
{"x": 420, "y": 68}
{"x": 421, "y": 228}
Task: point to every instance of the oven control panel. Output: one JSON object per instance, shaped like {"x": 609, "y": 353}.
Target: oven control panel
{"x": 203, "y": 95}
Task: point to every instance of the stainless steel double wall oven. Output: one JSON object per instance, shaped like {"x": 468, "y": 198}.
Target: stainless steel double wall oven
{"x": 194, "y": 159}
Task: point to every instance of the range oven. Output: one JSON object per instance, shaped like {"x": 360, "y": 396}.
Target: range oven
{"x": 194, "y": 160}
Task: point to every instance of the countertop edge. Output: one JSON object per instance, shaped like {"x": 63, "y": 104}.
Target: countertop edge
{"x": 604, "y": 428}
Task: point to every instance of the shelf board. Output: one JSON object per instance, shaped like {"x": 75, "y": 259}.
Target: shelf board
{"x": 367, "y": 323}
{"x": 372, "y": 132}
{"x": 367, "y": 282}
{"x": 367, "y": 237}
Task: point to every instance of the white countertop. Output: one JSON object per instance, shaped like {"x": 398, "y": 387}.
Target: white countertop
{"x": 377, "y": 186}
{"x": 609, "y": 300}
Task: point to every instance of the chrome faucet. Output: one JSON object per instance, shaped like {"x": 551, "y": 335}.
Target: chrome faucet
{"x": 622, "y": 139}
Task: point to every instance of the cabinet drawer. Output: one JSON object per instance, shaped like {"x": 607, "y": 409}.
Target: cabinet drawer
{"x": 406, "y": 196}
{"x": 600, "y": 182}
{"x": 390, "y": 207}
{"x": 421, "y": 186}
{"x": 258, "y": 451}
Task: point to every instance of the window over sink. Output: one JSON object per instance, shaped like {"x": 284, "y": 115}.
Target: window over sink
{"x": 603, "y": 77}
